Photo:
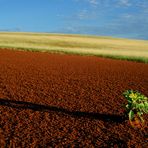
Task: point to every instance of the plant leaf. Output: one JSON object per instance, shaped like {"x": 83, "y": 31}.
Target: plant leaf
{"x": 131, "y": 115}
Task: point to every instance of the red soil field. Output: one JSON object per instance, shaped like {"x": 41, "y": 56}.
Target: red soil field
{"x": 55, "y": 100}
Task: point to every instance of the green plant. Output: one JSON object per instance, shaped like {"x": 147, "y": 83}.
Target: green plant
{"x": 137, "y": 104}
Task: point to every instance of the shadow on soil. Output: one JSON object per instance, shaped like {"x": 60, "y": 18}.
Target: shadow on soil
{"x": 38, "y": 107}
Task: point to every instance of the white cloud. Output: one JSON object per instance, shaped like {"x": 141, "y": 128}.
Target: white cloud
{"x": 93, "y": 2}
{"x": 127, "y": 16}
{"x": 125, "y": 3}
{"x": 86, "y": 15}
{"x": 131, "y": 21}
{"x": 83, "y": 14}
{"x": 119, "y": 3}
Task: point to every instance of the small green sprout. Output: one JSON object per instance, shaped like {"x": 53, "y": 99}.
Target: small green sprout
{"x": 137, "y": 104}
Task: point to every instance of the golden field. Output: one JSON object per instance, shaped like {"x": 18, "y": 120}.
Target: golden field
{"x": 136, "y": 50}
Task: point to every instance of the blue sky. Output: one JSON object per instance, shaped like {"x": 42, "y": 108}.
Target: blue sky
{"x": 117, "y": 18}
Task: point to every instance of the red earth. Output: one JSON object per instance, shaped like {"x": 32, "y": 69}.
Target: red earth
{"x": 55, "y": 100}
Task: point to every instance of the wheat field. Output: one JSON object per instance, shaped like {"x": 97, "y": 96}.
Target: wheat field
{"x": 128, "y": 49}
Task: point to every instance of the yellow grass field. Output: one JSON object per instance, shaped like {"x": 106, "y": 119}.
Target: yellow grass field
{"x": 128, "y": 49}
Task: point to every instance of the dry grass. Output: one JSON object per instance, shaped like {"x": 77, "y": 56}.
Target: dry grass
{"x": 76, "y": 44}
